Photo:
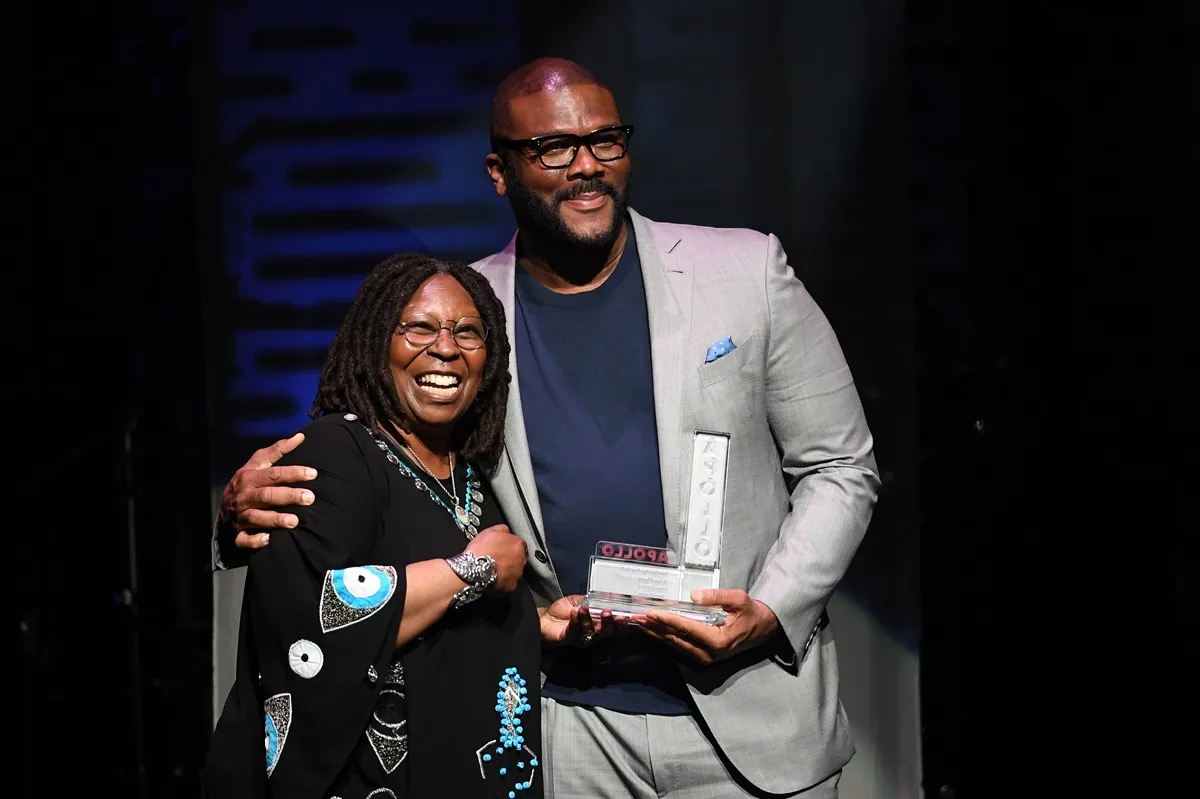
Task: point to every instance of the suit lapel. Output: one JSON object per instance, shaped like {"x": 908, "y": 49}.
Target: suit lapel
{"x": 668, "y": 281}
{"x": 500, "y": 270}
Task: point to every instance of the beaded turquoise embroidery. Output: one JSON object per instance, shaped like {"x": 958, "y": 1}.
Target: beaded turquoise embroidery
{"x": 508, "y": 753}
{"x": 510, "y": 704}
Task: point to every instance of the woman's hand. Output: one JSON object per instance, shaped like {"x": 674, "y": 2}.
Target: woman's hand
{"x": 506, "y": 549}
{"x": 566, "y": 622}
{"x": 432, "y": 583}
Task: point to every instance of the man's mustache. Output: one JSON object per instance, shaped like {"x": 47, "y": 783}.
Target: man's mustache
{"x": 594, "y": 186}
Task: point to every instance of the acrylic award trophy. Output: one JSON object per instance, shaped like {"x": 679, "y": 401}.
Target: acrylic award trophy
{"x": 630, "y": 580}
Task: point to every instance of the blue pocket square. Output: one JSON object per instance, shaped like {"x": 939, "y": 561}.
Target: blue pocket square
{"x": 722, "y": 347}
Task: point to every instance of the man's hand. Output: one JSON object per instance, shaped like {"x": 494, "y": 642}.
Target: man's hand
{"x": 748, "y": 624}
{"x": 565, "y": 622}
{"x": 259, "y": 485}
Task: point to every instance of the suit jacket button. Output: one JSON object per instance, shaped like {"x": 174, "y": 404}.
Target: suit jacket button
{"x": 540, "y": 555}
{"x": 372, "y": 675}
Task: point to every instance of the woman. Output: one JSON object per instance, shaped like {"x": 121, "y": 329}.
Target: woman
{"x": 388, "y": 647}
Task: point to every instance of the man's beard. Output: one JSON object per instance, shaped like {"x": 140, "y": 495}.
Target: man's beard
{"x": 544, "y": 220}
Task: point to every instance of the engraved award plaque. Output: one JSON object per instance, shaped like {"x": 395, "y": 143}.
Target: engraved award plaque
{"x": 629, "y": 579}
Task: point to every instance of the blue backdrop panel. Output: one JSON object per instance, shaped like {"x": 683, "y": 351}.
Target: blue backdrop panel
{"x": 348, "y": 131}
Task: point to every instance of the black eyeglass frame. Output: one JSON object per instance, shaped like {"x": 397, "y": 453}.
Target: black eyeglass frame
{"x": 500, "y": 142}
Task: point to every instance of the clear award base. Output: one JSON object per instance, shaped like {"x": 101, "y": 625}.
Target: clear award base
{"x": 629, "y": 586}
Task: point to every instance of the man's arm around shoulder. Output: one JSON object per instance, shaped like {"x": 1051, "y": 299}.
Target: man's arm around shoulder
{"x": 244, "y": 515}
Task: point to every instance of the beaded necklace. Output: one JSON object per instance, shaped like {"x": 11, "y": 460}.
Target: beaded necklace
{"x": 465, "y": 516}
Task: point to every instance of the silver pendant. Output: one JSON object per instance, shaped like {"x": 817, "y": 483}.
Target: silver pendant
{"x": 472, "y": 531}
{"x": 461, "y": 514}
{"x": 477, "y": 495}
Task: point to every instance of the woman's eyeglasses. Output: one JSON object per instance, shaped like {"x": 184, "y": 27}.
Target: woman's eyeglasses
{"x": 421, "y": 330}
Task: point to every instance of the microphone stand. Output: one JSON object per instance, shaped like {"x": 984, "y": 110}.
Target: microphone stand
{"x": 129, "y": 598}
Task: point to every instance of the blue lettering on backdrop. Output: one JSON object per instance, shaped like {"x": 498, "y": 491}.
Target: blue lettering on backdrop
{"x": 348, "y": 131}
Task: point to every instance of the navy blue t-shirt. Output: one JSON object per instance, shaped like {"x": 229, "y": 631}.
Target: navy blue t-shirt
{"x": 588, "y": 398}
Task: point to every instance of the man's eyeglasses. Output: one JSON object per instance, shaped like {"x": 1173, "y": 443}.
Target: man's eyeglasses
{"x": 558, "y": 151}
{"x": 422, "y": 330}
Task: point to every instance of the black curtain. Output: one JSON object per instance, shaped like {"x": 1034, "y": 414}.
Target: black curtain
{"x": 113, "y": 594}
{"x": 1053, "y": 159}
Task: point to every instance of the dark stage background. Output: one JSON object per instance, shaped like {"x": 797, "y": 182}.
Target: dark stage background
{"x": 993, "y": 206}
{"x": 344, "y": 135}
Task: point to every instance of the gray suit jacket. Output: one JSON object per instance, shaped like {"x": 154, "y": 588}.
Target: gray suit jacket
{"x": 801, "y": 483}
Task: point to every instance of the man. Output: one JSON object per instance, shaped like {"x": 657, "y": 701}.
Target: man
{"x": 613, "y": 319}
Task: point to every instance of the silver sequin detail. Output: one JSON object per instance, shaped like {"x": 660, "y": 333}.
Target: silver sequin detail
{"x": 385, "y": 730}
{"x": 512, "y": 700}
{"x": 393, "y": 710}
{"x": 334, "y": 614}
{"x": 390, "y": 749}
{"x": 381, "y": 792}
{"x": 394, "y": 674}
{"x": 279, "y": 709}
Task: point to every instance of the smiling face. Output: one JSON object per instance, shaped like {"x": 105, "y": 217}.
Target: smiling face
{"x": 438, "y": 382}
{"x": 581, "y": 205}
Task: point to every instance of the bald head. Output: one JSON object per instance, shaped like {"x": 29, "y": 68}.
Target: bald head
{"x": 539, "y": 75}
